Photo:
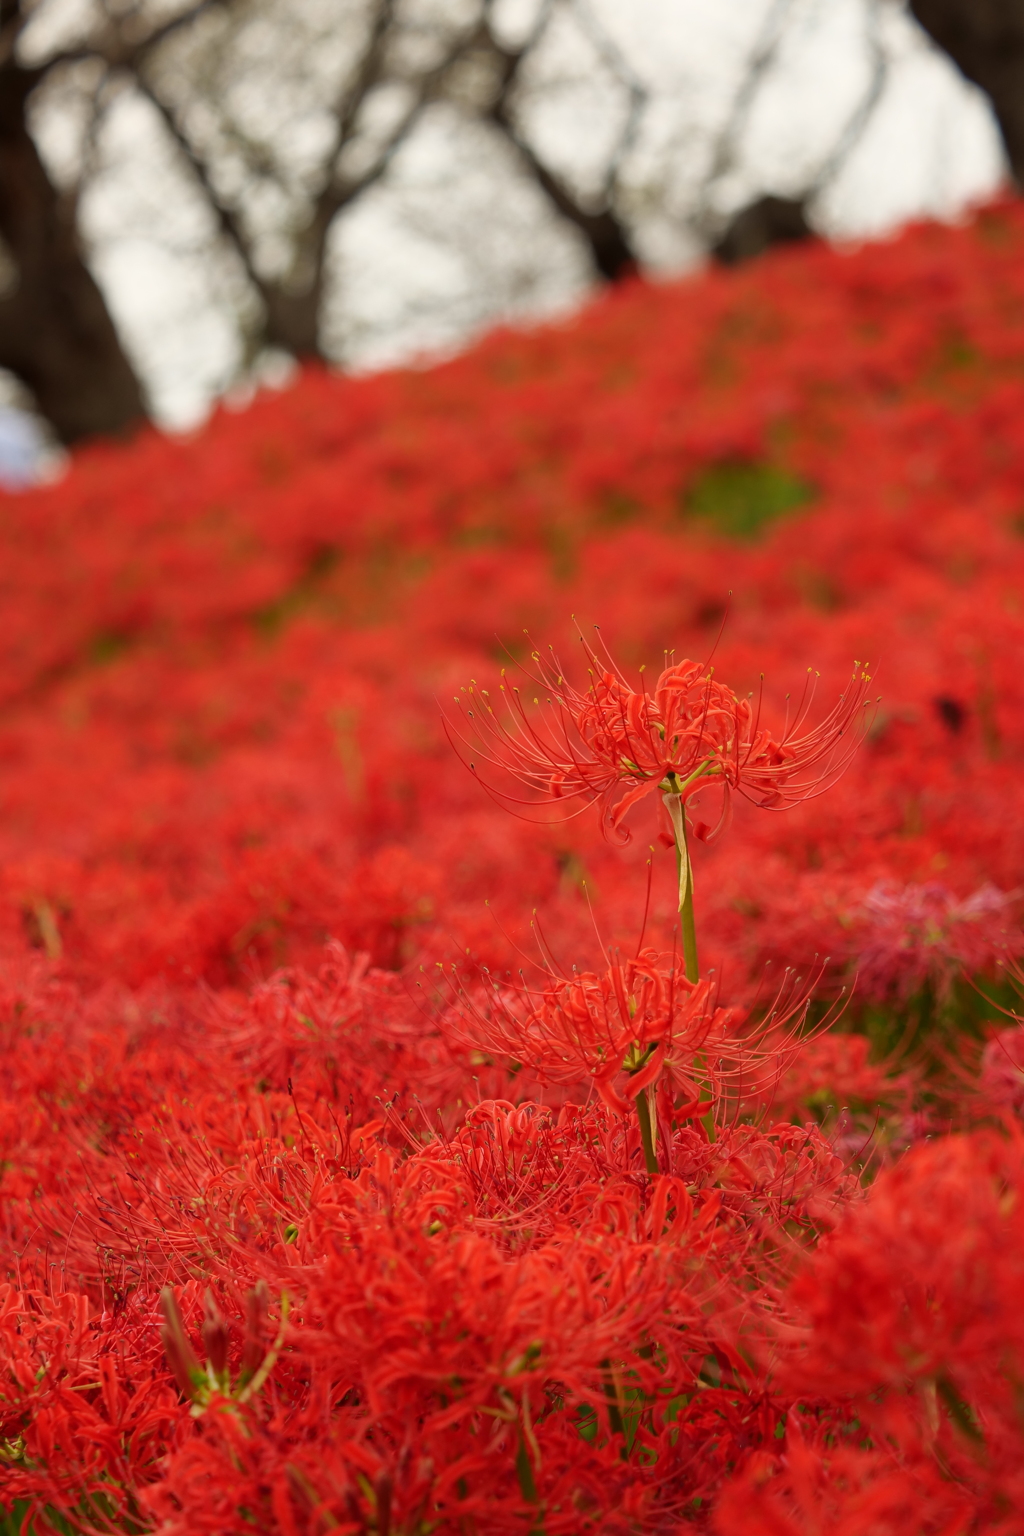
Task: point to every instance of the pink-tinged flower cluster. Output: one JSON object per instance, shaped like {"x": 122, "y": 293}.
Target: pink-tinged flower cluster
{"x": 1002, "y": 1070}
{"x": 924, "y": 933}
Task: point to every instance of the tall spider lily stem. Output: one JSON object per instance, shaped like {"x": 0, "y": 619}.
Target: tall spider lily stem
{"x": 635, "y": 1062}
{"x": 687, "y": 925}
{"x": 643, "y": 1114}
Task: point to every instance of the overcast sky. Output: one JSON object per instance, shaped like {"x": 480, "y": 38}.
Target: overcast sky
{"x": 409, "y": 281}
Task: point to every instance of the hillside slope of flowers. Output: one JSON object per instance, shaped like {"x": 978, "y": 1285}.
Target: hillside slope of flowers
{"x": 511, "y": 880}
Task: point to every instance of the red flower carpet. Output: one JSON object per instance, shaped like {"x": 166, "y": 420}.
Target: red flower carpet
{"x": 511, "y": 878}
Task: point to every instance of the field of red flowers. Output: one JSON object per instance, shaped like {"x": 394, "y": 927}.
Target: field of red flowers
{"x": 510, "y": 891}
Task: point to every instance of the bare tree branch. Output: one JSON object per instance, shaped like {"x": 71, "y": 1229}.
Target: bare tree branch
{"x": 339, "y": 192}
{"x": 726, "y": 150}
{"x": 606, "y": 236}
{"x": 637, "y": 92}
{"x": 120, "y": 52}
{"x": 228, "y": 221}
{"x": 367, "y": 75}
{"x": 771, "y": 219}
{"x": 293, "y": 302}
{"x": 865, "y": 109}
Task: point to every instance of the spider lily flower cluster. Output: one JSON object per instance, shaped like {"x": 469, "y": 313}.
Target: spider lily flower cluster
{"x": 635, "y": 1018}
{"x": 617, "y": 744}
{"x": 642, "y": 1035}
{"x": 614, "y": 744}
{"x": 654, "y": 1024}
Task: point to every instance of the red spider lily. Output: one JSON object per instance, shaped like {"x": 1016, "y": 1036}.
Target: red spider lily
{"x": 667, "y": 1034}
{"x": 912, "y": 1330}
{"x": 839, "y": 1490}
{"x": 691, "y": 733}
{"x": 617, "y": 744}
{"x": 85, "y": 1419}
{"x": 585, "y": 1028}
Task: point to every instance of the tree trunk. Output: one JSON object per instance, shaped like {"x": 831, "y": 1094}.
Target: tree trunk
{"x": 292, "y": 321}
{"x": 606, "y": 236}
{"x": 765, "y": 222}
{"x": 985, "y": 38}
{"x": 56, "y": 334}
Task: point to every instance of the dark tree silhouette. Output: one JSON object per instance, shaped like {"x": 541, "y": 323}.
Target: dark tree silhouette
{"x": 291, "y": 298}
{"x": 595, "y": 219}
{"x": 765, "y": 222}
{"x": 56, "y": 333}
{"x": 985, "y": 39}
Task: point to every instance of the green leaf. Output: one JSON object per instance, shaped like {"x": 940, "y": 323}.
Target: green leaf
{"x": 741, "y": 498}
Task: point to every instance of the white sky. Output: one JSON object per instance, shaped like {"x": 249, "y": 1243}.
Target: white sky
{"x": 405, "y": 283}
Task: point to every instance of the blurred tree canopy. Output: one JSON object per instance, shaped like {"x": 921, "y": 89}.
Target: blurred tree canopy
{"x": 283, "y": 115}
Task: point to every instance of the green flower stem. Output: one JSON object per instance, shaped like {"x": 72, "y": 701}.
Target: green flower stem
{"x": 684, "y": 868}
{"x": 528, "y": 1483}
{"x": 524, "y": 1472}
{"x": 612, "y": 1399}
{"x": 643, "y": 1113}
